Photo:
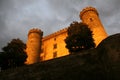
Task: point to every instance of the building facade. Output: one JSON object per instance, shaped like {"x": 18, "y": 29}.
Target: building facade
{"x": 49, "y": 47}
{"x": 54, "y": 46}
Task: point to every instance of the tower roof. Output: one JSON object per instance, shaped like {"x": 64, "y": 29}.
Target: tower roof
{"x": 86, "y": 10}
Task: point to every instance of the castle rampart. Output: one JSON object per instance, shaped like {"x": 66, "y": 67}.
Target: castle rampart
{"x": 55, "y": 34}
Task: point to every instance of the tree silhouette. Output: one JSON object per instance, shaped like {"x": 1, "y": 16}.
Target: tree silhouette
{"x": 79, "y": 37}
{"x": 14, "y": 54}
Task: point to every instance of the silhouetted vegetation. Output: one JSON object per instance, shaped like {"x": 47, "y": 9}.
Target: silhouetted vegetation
{"x": 13, "y": 54}
{"x": 79, "y": 37}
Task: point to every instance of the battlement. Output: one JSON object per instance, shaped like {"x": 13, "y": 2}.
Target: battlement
{"x": 86, "y": 10}
{"x": 55, "y": 33}
{"x": 35, "y": 30}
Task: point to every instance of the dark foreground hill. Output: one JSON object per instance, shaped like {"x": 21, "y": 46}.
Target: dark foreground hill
{"x": 102, "y": 63}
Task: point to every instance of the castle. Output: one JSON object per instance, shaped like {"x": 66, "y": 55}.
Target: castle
{"x": 41, "y": 48}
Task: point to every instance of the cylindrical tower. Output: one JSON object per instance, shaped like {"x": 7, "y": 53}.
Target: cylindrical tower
{"x": 34, "y": 43}
{"x": 90, "y": 16}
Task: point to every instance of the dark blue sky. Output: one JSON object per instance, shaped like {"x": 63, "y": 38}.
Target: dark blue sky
{"x": 18, "y": 16}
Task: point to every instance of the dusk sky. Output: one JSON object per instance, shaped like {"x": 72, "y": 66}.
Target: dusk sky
{"x": 17, "y": 17}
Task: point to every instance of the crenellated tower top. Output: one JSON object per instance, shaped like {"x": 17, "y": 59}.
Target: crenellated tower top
{"x": 35, "y": 30}
{"x": 88, "y": 9}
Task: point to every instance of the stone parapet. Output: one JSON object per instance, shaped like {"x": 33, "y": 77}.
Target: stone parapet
{"x": 88, "y": 9}
{"x": 55, "y": 34}
{"x": 35, "y": 30}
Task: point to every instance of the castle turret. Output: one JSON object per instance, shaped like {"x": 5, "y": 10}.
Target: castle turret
{"x": 34, "y": 46}
{"x": 90, "y": 16}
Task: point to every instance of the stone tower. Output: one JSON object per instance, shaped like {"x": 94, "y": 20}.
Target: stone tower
{"x": 34, "y": 45}
{"x": 90, "y": 16}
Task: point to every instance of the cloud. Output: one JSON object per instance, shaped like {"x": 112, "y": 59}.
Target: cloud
{"x": 17, "y": 17}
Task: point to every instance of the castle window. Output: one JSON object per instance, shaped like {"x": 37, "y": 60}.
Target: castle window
{"x": 55, "y": 54}
{"x": 54, "y": 46}
{"x": 54, "y": 39}
{"x": 91, "y": 19}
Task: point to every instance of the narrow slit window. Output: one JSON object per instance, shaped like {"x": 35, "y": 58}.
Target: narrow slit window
{"x": 54, "y": 54}
{"x": 54, "y": 46}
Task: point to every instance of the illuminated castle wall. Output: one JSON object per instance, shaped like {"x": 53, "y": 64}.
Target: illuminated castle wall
{"x": 44, "y": 48}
